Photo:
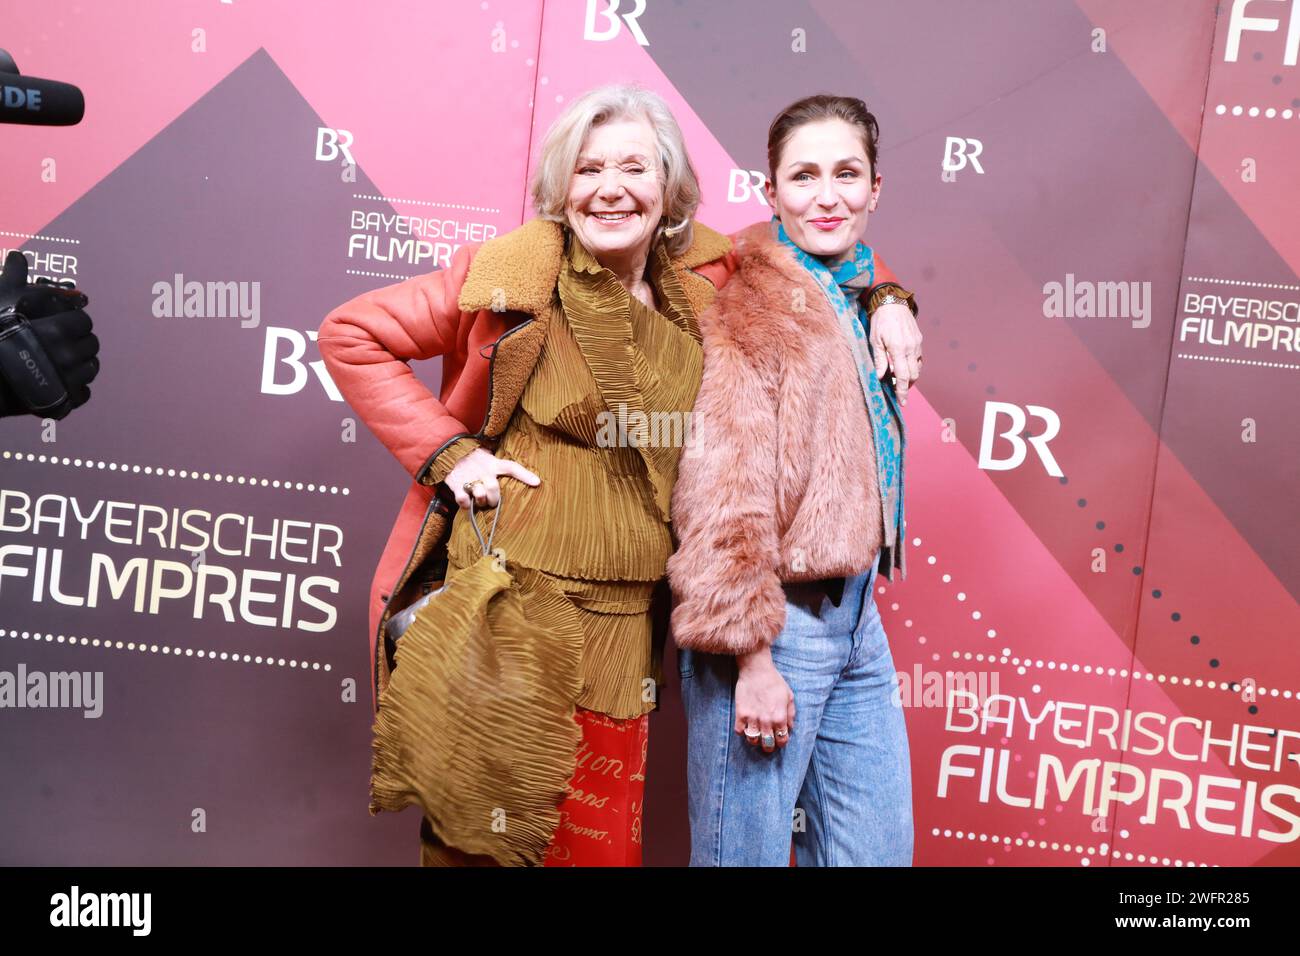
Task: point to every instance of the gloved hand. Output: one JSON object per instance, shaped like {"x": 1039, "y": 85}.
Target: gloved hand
{"x": 48, "y": 353}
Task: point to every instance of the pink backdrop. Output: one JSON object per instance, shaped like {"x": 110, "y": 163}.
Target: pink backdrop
{"x": 1150, "y": 583}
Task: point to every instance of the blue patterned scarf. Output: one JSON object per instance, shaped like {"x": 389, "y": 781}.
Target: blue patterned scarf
{"x": 843, "y": 284}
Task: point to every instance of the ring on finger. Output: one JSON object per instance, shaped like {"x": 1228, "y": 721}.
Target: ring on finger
{"x": 769, "y": 741}
{"x": 783, "y": 732}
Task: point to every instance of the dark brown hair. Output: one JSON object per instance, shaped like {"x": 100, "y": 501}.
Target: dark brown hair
{"x": 813, "y": 109}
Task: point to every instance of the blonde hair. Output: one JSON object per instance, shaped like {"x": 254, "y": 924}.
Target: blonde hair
{"x": 563, "y": 142}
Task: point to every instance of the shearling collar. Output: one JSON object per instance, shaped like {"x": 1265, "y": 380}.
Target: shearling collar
{"x": 517, "y": 271}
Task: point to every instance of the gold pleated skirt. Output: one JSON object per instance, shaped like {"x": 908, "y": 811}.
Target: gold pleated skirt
{"x": 476, "y": 725}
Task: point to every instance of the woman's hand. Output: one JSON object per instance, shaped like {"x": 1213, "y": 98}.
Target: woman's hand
{"x": 483, "y": 467}
{"x": 896, "y": 344}
{"x": 764, "y": 701}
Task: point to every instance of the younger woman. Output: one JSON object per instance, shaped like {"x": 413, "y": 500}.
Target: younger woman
{"x": 787, "y": 507}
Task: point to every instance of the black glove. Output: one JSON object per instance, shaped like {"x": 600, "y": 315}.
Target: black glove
{"x": 48, "y": 353}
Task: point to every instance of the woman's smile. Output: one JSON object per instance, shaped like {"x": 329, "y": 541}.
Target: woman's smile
{"x": 613, "y": 219}
{"x": 827, "y": 223}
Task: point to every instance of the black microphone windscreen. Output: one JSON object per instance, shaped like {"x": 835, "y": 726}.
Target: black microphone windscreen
{"x": 31, "y": 101}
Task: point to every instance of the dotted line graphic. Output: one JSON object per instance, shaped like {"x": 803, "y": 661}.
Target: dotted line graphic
{"x": 28, "y": 235}
{"x": 424, "y": 202}
{"x": 1236, "y": 361}
{"x": 1099, "y": 670}
{"x": 174, "y": 473}
{"x": 1074, "y": 849}
{"x": 377, "y": 275}
{"x": 1156, "y": 593}
{"x": 1085, "y": 853}
{"x": 1115, "y": 854}
{"x": 1253, "y": 285}
{"x": 165, "y": 649}
{"x": 1268, "y": 112}
{"x": 947, "y": 579}
{"x": 954, "y": 344}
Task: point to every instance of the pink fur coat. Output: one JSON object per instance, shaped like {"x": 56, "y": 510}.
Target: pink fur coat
{"x": 778, "y": 482}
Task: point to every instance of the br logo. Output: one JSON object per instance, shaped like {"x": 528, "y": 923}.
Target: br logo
{"x": 1015, "y": 435}
{"x": 608, "y": 10}
{"x": 273, "y": 360}
{"x": 957, "y": 152}
{"x": 331, "y": 142}
{"x": 744, "y": 183}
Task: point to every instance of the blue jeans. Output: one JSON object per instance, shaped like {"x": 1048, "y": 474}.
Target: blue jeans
{"x": 842, "y": 787}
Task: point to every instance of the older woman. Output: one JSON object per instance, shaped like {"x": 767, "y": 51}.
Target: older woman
{"x": 525, "y": 682}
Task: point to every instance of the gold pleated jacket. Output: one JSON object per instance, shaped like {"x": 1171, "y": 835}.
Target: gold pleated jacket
{"x": 509, "y": 285}
{"x": 477, "y": 724}
{"x": 602, "y": 420}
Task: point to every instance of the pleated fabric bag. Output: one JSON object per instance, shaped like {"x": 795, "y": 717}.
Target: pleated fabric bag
{"x": 476, "y": 726}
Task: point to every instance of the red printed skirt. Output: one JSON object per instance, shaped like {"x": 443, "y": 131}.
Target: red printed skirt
{"x": 600, "y": 818}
